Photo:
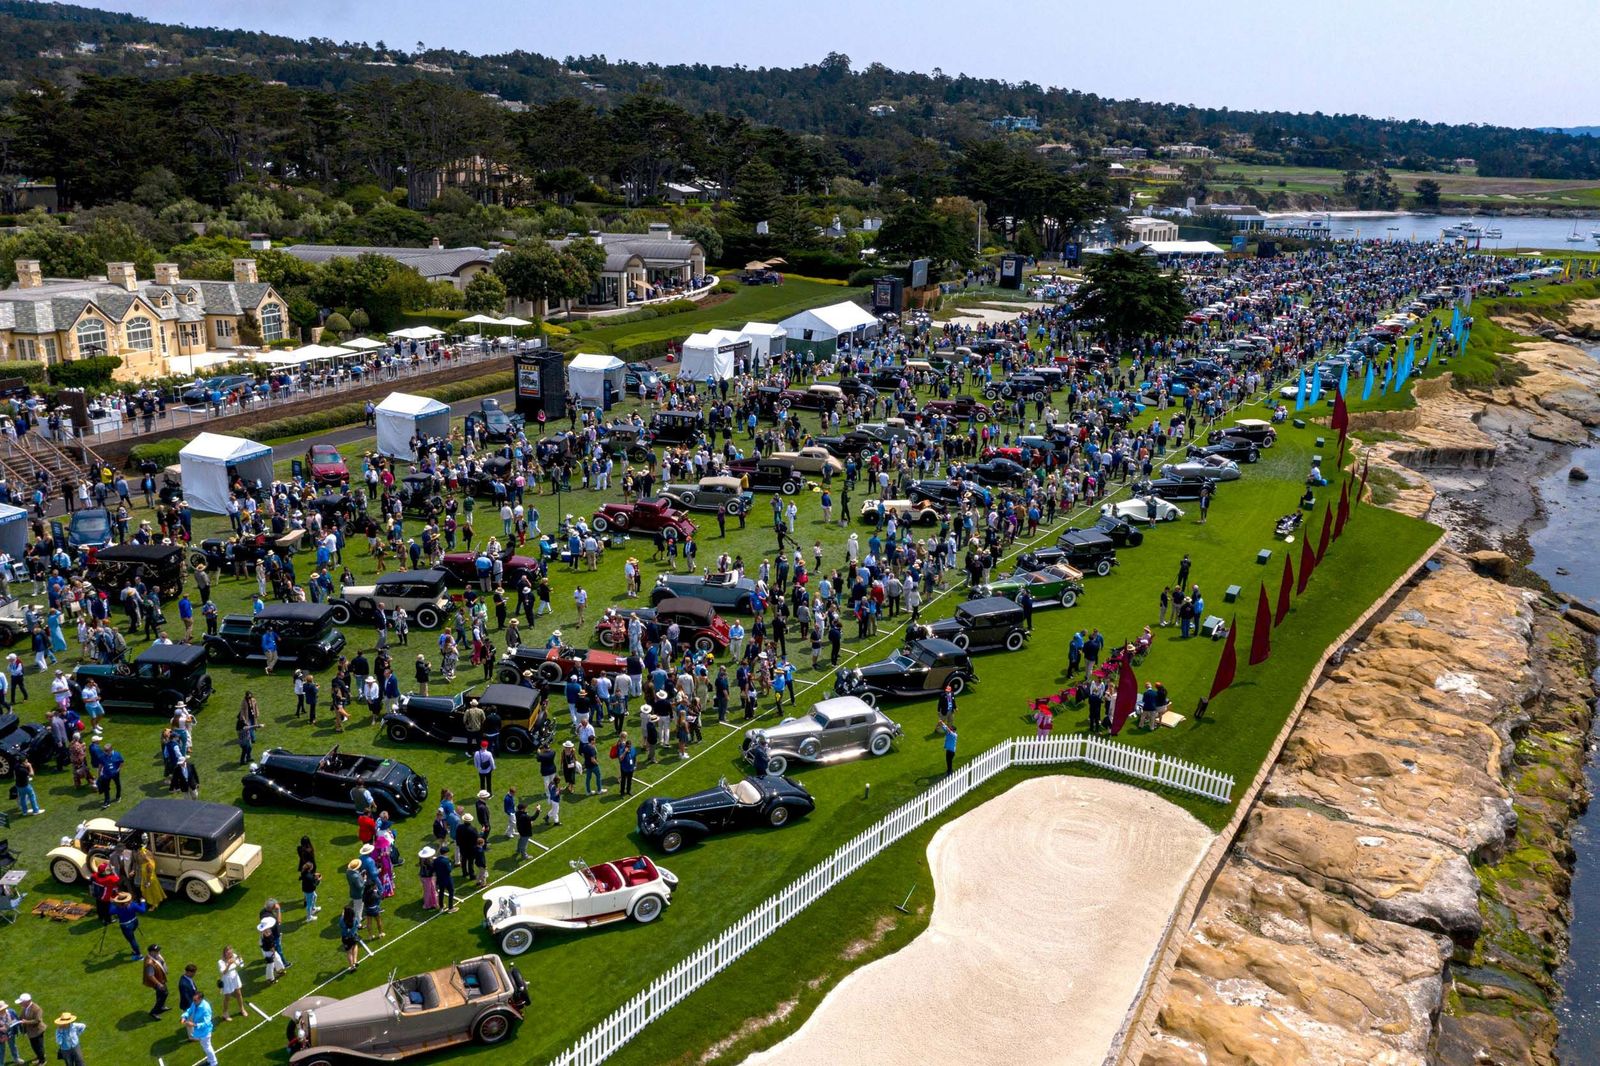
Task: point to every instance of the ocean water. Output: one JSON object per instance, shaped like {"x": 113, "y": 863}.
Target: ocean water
{"x": 1546, "y": 234}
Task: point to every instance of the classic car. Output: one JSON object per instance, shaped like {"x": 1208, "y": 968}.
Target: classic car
{"x": 768, "y": 475}
{"x": 859, "y": 388}
{"x": 1122, "y": 533}
{"x": 720, "y": 590}
{"x": 421, "y": 494}
{"x": 1088, "y": 551}
{"x": 1215, "y": 467}
{"x": 161, "y": 677}
{"x": 1234, "y": 449}
{"x": 88, "y": 527}
{"x": 677, "y": 427}
{"x": 477, "y": 1001}
{"x": 811, "y": 398}
{"x": 957, "y": 407}
{"x": 633, "y": 887}
{"x": 923, "y": 513}
{"x": 1000, "y": 471}
{"x": 25, "y": 740}
{"x": 841, "y": 727}
{"x": 626, "y": 440}
{"x": 438, "y": 719}
{"x": 672, "y": 824}
{"x": 330, "y": 782}
{"x": 199, "y": 848}
{"x": 14, "y": 619}
{"x": 484, "y": 474}
{"x": 159, "y": 566}
{"x": 1173, "y": 488}
{"x": 325, "y": 464}
{"x": 1057, "y": 583}
{"x": 462, "y": 568}
{"x": 949, "y": 491}
{"x": 711, "y": 494}
{"x": 983, "y": 623}
{"x": 699, "y": 624}
{"x": 425, "y": 594}
{"x": 551, "y": 666}
{"x": 646, "y": 517}
{"x": 921, "y": 668}
{"x": 305, "y": 632}
{"x": 1148, "y": 509}
{"x": 1030, "y": 451}
{"x": 852, "y": 443}
{"x": 497, "y": 425}
{"x": 1256, "y": 430}
{"x": 1026, "y": 385}
{"x": 813, "y": 459}
{"x": 891, "y": 430}
{"x": 640, "y": 378}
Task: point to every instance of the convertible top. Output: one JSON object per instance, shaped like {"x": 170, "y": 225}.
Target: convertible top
{"x": 412, "y": 575}
{"x": 702, "y": 611}
{"x": 138, "y": 553}
{"x": 510, "y": 696}
{"x": 299, "y": 612}
{"x": 186, "y": 817}
{"x": 173, "y": 654}
{"x": 989, "y": 607}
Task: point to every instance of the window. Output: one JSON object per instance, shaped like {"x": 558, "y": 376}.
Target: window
{"x": 140, "y": 337}
{"x": 224, "y": 328}
{"x": 49, "y": 349}
{"x": 271, "y": 322}
{"x": 91, "y": 338}
{"x": 191, "y": 847}
{"x": 26, "y": 349}
{"x": 164, "y": 844}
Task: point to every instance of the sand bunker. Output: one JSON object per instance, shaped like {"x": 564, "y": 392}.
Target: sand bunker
{"x": 1052, "y": 899}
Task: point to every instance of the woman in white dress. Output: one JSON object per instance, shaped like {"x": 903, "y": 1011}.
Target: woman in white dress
{"x": 230, "y": 967}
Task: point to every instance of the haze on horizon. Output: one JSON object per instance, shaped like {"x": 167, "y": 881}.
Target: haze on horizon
{"x": 1439, "y": 60}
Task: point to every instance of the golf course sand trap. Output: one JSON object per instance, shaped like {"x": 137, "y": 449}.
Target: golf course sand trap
{"x": 1052, "y": 899}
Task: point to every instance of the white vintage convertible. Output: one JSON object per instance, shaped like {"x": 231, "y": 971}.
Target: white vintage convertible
{"x": 1141, "y": 509}
{"x": 633, "y": 887}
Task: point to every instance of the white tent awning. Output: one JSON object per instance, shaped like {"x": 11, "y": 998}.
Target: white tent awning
{"x": 417, "y": 333}
{"x": 362, "y": 344}
{"x": 402, "y": 416}
{"x": 480, "y": 320}
{"x": 205, "y": 463}
{"x": 513, "y": 321}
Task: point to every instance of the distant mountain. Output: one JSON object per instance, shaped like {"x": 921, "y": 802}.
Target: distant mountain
{"x": 1572, "y": 131}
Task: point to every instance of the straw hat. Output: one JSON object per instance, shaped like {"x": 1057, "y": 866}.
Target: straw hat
{"x": 367, "y": 849}
{"x": 483, "y": 793}
{"x": 566, "y": 744}
{"x": 353, "y": 864}
{"x": 266, "y": 923}
{"x": 67, "y": 1019}
{"x": 426, "y": 853}
{"x": 466, "y": 819}
{"x": 122, "y": 897}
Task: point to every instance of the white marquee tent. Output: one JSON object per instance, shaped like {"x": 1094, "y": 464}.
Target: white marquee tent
{"x": 831, "y": 322}
{"x": 402, "y": 416}
{"x": 588, "y": 377}
{"x": 766, "y": 341}
{"x": 710, "y": 356}
{"x": 209, "y": 462}
{"x": 362, "y": 344}
{"x": 416, "y": 333}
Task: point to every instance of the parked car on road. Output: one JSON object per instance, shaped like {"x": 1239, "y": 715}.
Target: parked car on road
{"x": 632, "y": 887}
{"x": 199, "y": 848}
{"x": 838, "y": 728}
{"x": 673, "y": 824}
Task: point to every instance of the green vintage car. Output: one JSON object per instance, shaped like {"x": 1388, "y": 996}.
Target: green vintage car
{"x": 1054, "y": 584}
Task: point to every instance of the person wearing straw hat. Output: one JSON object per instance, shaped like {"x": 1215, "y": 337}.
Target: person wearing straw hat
{"x": 430, "y": 887}
{"x": 69, "y": 1031}
{"x": 267, "y": 928}
{"x": 30, "y": 1016}
{"x": 126, "y": 910}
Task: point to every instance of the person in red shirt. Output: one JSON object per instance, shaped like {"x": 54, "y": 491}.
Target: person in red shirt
{"x": 106, "y": 885}
{"x": 366, "y": 828}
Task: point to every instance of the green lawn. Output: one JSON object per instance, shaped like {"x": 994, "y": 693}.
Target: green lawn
{"x": 752, "y": 303}
{"x": 1464, "y": 187}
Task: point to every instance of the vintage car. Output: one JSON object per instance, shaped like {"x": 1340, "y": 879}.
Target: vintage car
{"x": 711, "y": 494}
{"x": 811, "y": 398}
{"x": 462, "y": 568}
{"x": 325, "y": 464}
{"x": 551, "y": 666}
{"x": 719, "y": 590}
{"x": 921, "y": 668}
{"x": 981, "y": 624}
{"x": 957, "y": 407}
{"x": 922, "y": 513}
{"x": 633, "y": 887}
{"x": 163, "y": 676}
{"x": 1029, "y": 450}
{"x": 485, "y": 473}
{"x": 624, "y": 440}
{"x": 88, "y": 527}
{"x": 1148, "y": 509}
{"x": 952, "y": 491}
{"x": 1173, "y": 488}
{"x": 159, "y": 566}
{"x": 812, "y": 459}
{"x": 14, "y": 620}
{"x": 1057, "y": 583}
{"x": 497, "y": 425}
{"x": 672, "y": 824}
{"x": 698, "y": 623}
{"x": 477, "y": 1001}
{"x": 1026, "y": 385}
{"x": 657, "y": 518}
{"x": 421, "y": 494}
{"x": 838, "y": 728}
{"x": 1257, "y": 431}
{"x": 1088, "y": 551}
{"x": 768, "y": 475}
{"x": 1121, "y": 532}
{"x": 199, "y": 848}
{"x": 1229, "y": 449}
{"x": 330, "y": 782}
{"x": 425, "y": 594}
{"x": 677, "y": 427}
{"x": 852, "y": 443}
{"x": 640, "y": 378}
{"x": 438, "y": 719}
{"x": 891, "y": 430}
{"x": 25, "y": 740}
{"x": 1000, "y": 471}
{"x": 305, "y": 632}
{"x": 1215, "y": 467}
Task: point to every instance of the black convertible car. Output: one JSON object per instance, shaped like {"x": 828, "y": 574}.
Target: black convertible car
{"x": 19, "y": 740}
{"x": 331, "y": 782}
{"x": 1239, "y": 449}
{"x": 670, "y": 824}
{"x": 1174, "y": 488}
{"x": 921, "y": 668}
{"x": 1119, "y": 531}
{"x": 438, "y": 719}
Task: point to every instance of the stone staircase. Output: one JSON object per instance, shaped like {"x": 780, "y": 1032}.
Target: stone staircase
{"x": 20, "y": 462}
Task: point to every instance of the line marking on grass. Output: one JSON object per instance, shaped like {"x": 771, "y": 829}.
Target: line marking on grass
{"x": 265, "y": 1016}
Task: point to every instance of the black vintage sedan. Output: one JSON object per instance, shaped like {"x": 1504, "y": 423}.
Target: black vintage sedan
{"x": 1239, "y": 449}
{"x": 305, "y": 633}
{"x": 921, "y": 668}
{"x": 1174, "y": 488}
{"x": 441, "y": 719}
{"x": 162, "y": 676}
{"x": 19, "y": 740}
{"x": 672, "y": 824}
{"x": 333, "y": 782}
{"x": 1000, "y": 471}
{"x": 1120, "y": 531}
{"x": 990, "y": 622}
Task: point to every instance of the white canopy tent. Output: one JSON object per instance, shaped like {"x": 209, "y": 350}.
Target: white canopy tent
{"x": 513, "y": 321}
{"x": 402, "y": 416}
{"x": 416, "y": 333}
{"x": 480, "y": 320}
{"x": 831, "y": 322}
{"x": 209, "y": 462}
{"x": 708, "y": 358}
{"x": 362, "y": 344}
{"x": 13, "y": 531}
{"x": 766, "y": 341}
{"x": 596, "y": 380}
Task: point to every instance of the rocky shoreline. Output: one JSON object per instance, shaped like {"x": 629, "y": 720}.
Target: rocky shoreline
{"x": 1399, "y": 894}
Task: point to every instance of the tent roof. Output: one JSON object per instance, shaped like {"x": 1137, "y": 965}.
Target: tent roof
{"x": 480, "y": 320}
{"x": 418, "y": 333}
{"x": 219, "y": 447}
{"x": 764, "y": 329}
{"x": 726, "y": 336}
{"x": 1182, "y": 248}
{"x": 596, "y": 362}
{"x": 362, "y": 344}
{"x": 840, "y": 317}
{"x": 513, "y": 320}
{"x": 10, "y": 513}
{"x": 403, "y": 403}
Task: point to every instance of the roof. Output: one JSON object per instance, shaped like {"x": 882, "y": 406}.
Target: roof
{"x": 840, "y": 706}
{"x": 429, "y": 262}
{"x": 989, "y": 605}
{"x": 840, "y": 318}
{"x": 510, "y": 695}
{"x": 686, "y": 605}
{"x": 176, "y": 654}
{"x": 57, "y": 304}
{"x": 411, "y": 575}
{"x": 602, "y": 363}
{"x": 185, "y": 817}
{"x": 1182, "y": 248}
{"x": 764, "y": 329}
{"x": 303, "y": 611}
{"x": 219, "y": 447}
{"x": 138, "y": 553}
{"x": 406, "y": 405}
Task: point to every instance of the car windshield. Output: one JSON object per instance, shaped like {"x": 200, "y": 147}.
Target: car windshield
{"x": 819, "y": 718}
{"x": 905, "y": 662}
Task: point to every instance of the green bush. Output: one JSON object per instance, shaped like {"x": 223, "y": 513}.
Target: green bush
{"x": 90, "y": 373}
{"x": 579, "y": 325}
{"x": 677, "y": 307}
{"x": 634, "y": 353}
{"x": 728, "y": 287}
{"x": 29, "y": 370}
{"x": 161, "y": 452}
{"x": 350, "y": 414}
{"x": 866, "y": 276}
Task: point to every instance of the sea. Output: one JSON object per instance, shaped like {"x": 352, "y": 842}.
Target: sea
{"x": 1516, "y": 232}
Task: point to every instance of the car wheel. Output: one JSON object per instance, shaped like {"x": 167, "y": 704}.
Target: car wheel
{"x": 1253, "y": 457}
{"x": 610, "y": 638}
{"x": 196, "y": 891}
{"x": 399, "y": 732}
{"x": 428, "y": 618}
{"x": 319, "y": 1062}
{"x": 1014, "y": 641}
{"x": 6, "y": 768}
{"x": 1103, "y": 567}
{"x": 783, "y": 405}
{"x": 198, "y": 557}
{"x": 705, "y": 644}
{"x": 776, "y": 765}
{"x": 881, "y": 744}
{"x": 778, "y": 816}
{"x": 65, "y": 871}
{"x": 640, "y": 455}
{"x": 254, "y": 795}
{"x": 982, "y": 416}
{"x": 991, "y": 393}
{"x": 168, "y": 700}
{"x": 672, "y": 842}
{"x": 957, "y": 683}
{"x": 416, "y": 788}
{"x": 341, "y": 614}
{"x": 492, "y": 1027}
{"x": 1069, "y": 599}
{"x": 549, "y": 673}
{"x": 516, "y": 941}
{"x": 1171, "y": 516}
{"x": 646, "y": 909}
{"x": 735, "y": 508}
{"x": 1270, "y": 439}
{"x": 744, "y": 603}
{"x": 507, "y": 674}
{"x": 790, "y": 488}
{"x": 600, "y": 523}
{"x": 810, "y": 748}
{"x": 669, "y": 535}
{"x": 516, "y": 742}
{"x": 868, "y": 697}
{"x": 961, "y": 640}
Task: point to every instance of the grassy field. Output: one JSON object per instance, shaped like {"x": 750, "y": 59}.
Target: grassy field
{"x": 577, "y": 980}
{"x": 752, "y": 303}
{"x": 1465, "y": 187}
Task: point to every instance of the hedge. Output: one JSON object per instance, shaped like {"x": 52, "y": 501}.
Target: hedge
{"x": 350, "y": 414}
{"x": 90, "y": 373}
{"x": 161, "y": 452}
{"x": 29, "y": 370}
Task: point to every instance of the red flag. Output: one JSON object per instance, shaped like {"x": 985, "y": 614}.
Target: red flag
{"x": 1343, "y": 514}
{"x": 1327, "y": 530}
{"x": 1228, "y": 665}
{"x": 1261, "y": 636}
{"x": 1308, "y": 563}
{"x": 1127, "y": 696}
{"x": 1363, "y": 487}
{"x": 1285, "y": 591}
{"x": 1341, "y": 415}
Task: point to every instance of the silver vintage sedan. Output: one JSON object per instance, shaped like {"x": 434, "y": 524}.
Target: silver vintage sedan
{"x": 837, "y": 728}
{"x": 1214, "y": 467}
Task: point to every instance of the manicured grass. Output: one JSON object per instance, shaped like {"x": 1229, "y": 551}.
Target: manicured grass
{"x": 752, "y": 303}
{"x": 578, "y": 979}
{"x": 1465, "y": 187}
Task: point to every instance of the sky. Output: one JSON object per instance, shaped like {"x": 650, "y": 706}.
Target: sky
{"x": 1438, "y": 60}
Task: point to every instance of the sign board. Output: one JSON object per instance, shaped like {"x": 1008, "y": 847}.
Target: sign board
{"x": 296, "y": 469}
{"x": 528, "y": 385}
{"x": 1008, "y": 267}
{"x": 1070, "y": 254}
{"x": 1238, "y": 242}
{"x": 919, "y": 273}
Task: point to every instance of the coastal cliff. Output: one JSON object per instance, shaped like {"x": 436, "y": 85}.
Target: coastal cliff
{"x": 1398, "y": 894}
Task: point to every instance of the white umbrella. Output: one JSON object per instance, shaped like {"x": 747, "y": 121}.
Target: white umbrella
{"x": 363, "y": 344}
{"x": 481, "y": 320}
{"x": 512, "y": 321}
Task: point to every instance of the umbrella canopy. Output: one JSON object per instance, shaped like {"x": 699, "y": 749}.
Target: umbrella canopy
{"x": 513, "y": 321}
{"x": 481, "y": 320}
{"x": 362, "y": 344}
{"x": 417, "y": 333}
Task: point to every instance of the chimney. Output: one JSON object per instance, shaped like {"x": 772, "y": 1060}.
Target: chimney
{"x": 434, "y": 245}
{"x": 122, "y": 274}
{"x": 244, "y": 271}
{"x": 167, "y": 274}
{"x": 29, "y": 274}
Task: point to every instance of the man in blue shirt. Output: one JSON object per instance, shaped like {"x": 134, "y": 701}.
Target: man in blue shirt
{"x": 269, "y": 647}
{"x": 197, "y": 1019}
{"x": 949, "y": 732}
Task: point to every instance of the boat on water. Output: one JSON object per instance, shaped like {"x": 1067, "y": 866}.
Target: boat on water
{"x": 1574, "y": 237}
{"x": 1464, "y": 231}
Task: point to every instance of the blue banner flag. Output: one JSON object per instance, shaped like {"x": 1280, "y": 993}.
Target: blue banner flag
{"x": 1366, "y": 388}
{"x": 1300, "y": 396}
{"x": 1316, "y": 387}
{"x": 1344, "y": 379}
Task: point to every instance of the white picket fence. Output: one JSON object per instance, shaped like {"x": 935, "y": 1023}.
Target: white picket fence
{"x": 672, "y": 987}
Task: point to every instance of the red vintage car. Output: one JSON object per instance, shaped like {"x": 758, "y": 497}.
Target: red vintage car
{"x": 698, "y": 623}
{"x": 957, "y": 407}
{"x": 649, "y": 517}
{"x": 326, "y": 464}
{"x": 463, "y": 569}
{"x": 551, "y": 666}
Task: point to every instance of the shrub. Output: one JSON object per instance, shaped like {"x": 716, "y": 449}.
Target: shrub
{"x": 29, "y": 370}
{"x": 578, "y": 325}
{"x": 554, "y": 330}
{"x": 90, "y": 373}
{"x": 676, "y": 307}
{"x": 728, "y": 287}
{"x": 336, "y": 323}
{"x": 161, "y": 452}
{"x": 865, "y": 276}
